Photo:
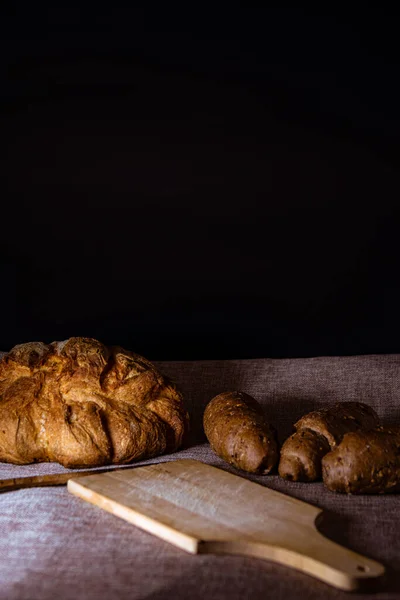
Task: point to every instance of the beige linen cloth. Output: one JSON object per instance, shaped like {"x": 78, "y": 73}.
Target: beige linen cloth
{"x": 56, "y": 546}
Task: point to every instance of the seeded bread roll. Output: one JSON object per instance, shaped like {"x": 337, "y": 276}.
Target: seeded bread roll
{"x": 82, "y": 404}
{"x": 365, "y": 462}
{"x": 239, "y": 433}
{"x": 319, "y": 432}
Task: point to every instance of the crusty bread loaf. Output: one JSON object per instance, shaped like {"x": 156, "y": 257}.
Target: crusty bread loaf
{"x": 237, "y": 429}
{"x": 319, "y": 432}
{"x": 81, "y": 403}
{"x": 365, "y": 462}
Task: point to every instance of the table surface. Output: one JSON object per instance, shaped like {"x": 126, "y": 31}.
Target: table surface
{"x": 53, "y": 544}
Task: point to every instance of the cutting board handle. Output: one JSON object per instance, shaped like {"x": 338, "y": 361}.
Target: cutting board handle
{"x": 311, "y": 553}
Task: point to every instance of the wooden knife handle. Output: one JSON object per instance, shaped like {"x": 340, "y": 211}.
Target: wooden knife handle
{"x": 17, "y": 483}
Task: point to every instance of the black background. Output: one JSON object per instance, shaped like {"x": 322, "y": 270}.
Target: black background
{"x": 201, "y": 184}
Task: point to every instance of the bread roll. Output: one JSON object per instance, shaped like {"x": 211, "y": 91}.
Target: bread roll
{"x": 83, "y": 404}
{"x": 319, "y": 432}
{"x": 236, "y": 427}
{"x": 365, "y": 462}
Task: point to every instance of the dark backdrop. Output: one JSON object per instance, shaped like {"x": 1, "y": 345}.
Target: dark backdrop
{"x": 201, "y": 184}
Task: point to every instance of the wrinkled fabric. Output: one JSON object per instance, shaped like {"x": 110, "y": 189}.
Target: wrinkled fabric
{"x": 53, "y": 544}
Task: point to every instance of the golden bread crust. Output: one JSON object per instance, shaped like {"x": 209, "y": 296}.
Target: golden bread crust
{"x": 81, "y": 403}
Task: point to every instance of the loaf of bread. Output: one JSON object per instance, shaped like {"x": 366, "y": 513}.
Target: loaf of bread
{"x": 319, "y": 432}
{"x": 81, "y": 403}
{"x": 365, "y": 462}
{"x": 236, "y": 427}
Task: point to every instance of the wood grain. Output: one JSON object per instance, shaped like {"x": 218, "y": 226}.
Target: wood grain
{"x": 202, "y": 509}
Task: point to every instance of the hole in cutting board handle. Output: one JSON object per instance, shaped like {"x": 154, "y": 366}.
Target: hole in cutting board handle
{"x": 362, "y": 568}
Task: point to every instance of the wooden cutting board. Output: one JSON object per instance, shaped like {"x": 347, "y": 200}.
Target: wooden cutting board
{"x": 202, "y": 509}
